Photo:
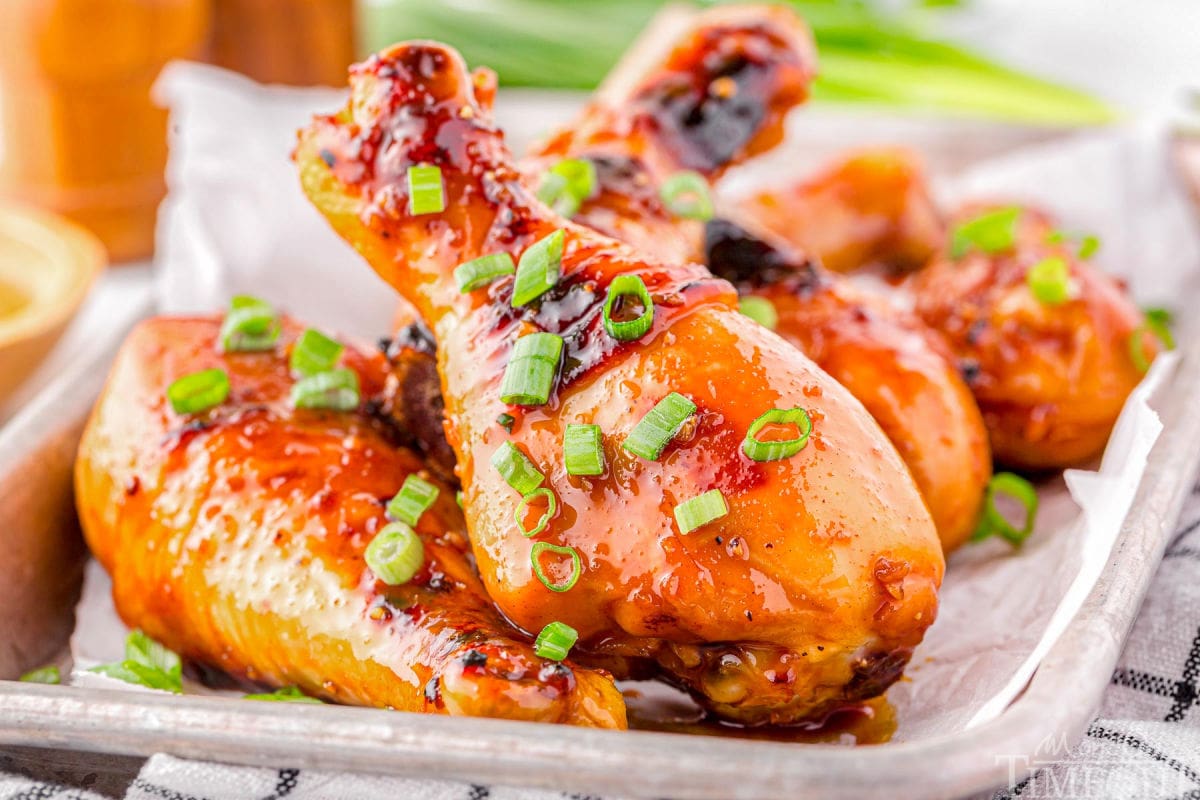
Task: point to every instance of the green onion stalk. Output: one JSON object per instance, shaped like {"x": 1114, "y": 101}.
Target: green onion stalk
{"x": 867, "y": 55}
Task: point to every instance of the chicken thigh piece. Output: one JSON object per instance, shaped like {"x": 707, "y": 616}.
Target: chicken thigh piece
{"x": 899, "y": 368}
{"x": 1051, "y": 373}
{"x": 236, "y": 537}
{"x": 804, "y": 576}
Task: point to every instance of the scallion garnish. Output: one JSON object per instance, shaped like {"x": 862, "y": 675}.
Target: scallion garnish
{"x": 1157, "y": 324}
{"x": 288, "y": 694}
{"x": 993, "y": 523}
{"x": 335, "y": 390}
{"x": 567, "y": 185}
{"x": 622, "y": 289}
{"x": 544, "y": 519}
{"x": 414, "y": 499}
{"x": 147, "y": 663}
{"x": 529, "y": 376}
{"x": 425, "y": 192}
{"x": 555, "y": 641}
{"x": 991, "y": 232}
{"x": 506, "y": 421}
{"x": 685, "y": 194}
{"x": 483, "y": 270}
{"x": 396, "y": 554}
{"x": 759, "y": 309}
{"x": 583, "y": 452}
{"x": 250, "y": 326}
{"x": 48, "y": 675}
{"x": 314, "y": 352}
{"x": 199, "y": 391}
{"x": 546, "y": 547}
{"x": 517, "y": 470}
{"x": 539, "y": 269}
{"x": 1088, "y": 246}
{"x": 700, "y": 510}
{"x": 655, "y": 430}
{"x": 777, "y": 449}
{"x": 1050, "y": 281}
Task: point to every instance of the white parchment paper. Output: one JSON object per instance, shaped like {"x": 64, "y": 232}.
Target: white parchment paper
{"x": 236, "y": 221}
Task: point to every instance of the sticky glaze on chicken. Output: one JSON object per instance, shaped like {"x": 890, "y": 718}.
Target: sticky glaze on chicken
{"x": 717, "y": 97}
{"x": 236, "y": 538}
{"x": 901, "y": 371}
{"x": 1049, "y": 378}
{"x": 809, "y": 594}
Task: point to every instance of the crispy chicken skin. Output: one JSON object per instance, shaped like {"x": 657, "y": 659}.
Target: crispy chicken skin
{"x": 1050, "y": 379}
{"x": 901, "y": 371}
{"x": 718, "y": 97}
{"x": 871, "y": 208}
{"x": 236, "y": 538}
{"x": 808, "y": 595}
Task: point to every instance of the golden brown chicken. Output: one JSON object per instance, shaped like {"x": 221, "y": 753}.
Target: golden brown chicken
{"x": 236, "y": 537}
{"x": 901, "y": 370}
{"x": 871, "y": 208}
{"x": 774, "y": 590}
{"x": 1051, "y": 374}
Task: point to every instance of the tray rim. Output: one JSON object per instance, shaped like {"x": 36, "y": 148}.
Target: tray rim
{"x": 634, "y": 763}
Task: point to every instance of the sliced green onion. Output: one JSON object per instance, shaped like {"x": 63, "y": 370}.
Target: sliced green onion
{"x": 993, "y": 523}
{"x": 655, "y": 430}
{"x": 583, "y": 452}
{"x": 1050, "y": 281}
{"x": 1088, "y": 246}
{"x": 396, "y": 554}
{"x": 314, "y": 352}
{"x": 529, "y": 376}
{"x": 506, "y": 421}
{"x": 555, "y": 641}
{"x": 567, "y": 184}
{"x": 482, "y": 271}
{"x": 1157, "y": 324}
{"x": 458, "y": 498}
{"x": 777, "y": 449}
{"x": 628, "y": 286}
{"x": 576, "y": 565}
{"x": 544, "y": 519}
{"x": 425, "y": 194}
{"x": 991, "y": 232}
{"x": 539, "y": 269}
{"x": 288, "y": 694}
{"x": 700, "y": 510}
{"x": 251, "y": 326}
{"x": 147, "y": 663}
{"x": 685, "y": 194}
{"x": 199, "y": 391}
{"x": 517, "y": 470}
{"x": 47, "y": 675}
{"x": 336, "y": 390}
{"x": 414, "y": 499}
{"x": 759, "y": 309}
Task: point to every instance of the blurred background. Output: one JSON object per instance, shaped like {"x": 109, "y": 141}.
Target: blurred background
{"x": 79, "y": 133}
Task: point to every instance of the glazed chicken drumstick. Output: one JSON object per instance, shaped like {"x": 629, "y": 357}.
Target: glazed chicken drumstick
{"x": 718, "y": 96}
{"x": 236, "y": 537}
{"x": 774, "y": 580}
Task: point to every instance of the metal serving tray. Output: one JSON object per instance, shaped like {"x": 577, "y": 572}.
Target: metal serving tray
{"x": 43, "y": 563}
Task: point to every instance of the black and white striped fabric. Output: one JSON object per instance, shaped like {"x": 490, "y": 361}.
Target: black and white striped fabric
{"x": 1145, "y": 744}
